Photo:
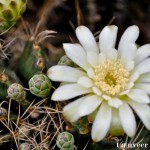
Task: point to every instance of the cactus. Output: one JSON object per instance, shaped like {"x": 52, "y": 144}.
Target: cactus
{"x": 64, "y": 60}
{"x": 65, "y": 141}
{"x": 10, "y": 12}
{"x": 31, "y": 62}
{"x": 40, "y": 85}
{"x": 82, "y": 125}
{"x": 30, "y": 117}
{"x": 7, "y": 77}
{"x": 16, "y": 92}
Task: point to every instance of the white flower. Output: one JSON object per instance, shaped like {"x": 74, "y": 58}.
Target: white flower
{"x": 111, "y": 83}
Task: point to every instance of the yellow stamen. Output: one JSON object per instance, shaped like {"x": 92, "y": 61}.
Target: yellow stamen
{"x": 111, "y": 77}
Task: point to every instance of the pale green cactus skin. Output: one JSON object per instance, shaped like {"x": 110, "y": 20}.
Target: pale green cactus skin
{"x": 10, "y": 12}
{"x": 65, "y": 141}
{"x": 64, "y": 60}
{"x": 82, "y": 125}
{"x": 16, "y": 92}
{"x": 40, "y": 85}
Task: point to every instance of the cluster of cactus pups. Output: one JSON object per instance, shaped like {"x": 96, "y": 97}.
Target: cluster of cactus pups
{"x": 28, "y": 118}
{"x": 37, "y": 121}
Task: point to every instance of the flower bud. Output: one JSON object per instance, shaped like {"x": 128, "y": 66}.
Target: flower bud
{"x": 82, "y": 125}
{"x": 64, "y": 60}
{"x": 16, "y": 92}
{"x": 65, "y": 141}
{"x": 40, "y": 85}
{"x": 10, "y": 12}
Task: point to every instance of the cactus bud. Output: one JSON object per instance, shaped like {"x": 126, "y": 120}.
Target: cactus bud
{"x": 16, "y": 92}
{"x": 64, "y": 60}
{"x": 10, "y": 12}
{"x": 65, "y": 141}
{"x": 40, "y": 85}
{"x": 82, "y": 125}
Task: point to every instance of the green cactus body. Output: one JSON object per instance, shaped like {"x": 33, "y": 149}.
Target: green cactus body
{"x": 40, "y": 85}
{"x": 28, "y": 63}
{"x": 7, "y": 77}
{"x": 16, "y": 92}
{"x": 10, "y": 12}
{"x": 82, "y": 125}
{"x": 65, "y": 141}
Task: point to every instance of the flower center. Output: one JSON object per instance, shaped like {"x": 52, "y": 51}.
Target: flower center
{"x": 111, "y": 77}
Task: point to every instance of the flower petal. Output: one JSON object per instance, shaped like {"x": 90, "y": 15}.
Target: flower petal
{"x": 70, "y": 111}
{"x": 129, "y": 65}
{"x": 129, "y": 37}
{"x": 143, "y": 67}
{"x": 139, "y": 95}
{"x": 64, "y": 73}
{"x": 142, "y": 53}
{"x": 143, "y": 86}
{"x": 127, "y": 120}
{"x": 107, "y": 39}
{"x": 112, "y": 55}
{"x": 116, "y": 127}
{"x": 114, "y": 102}
{"x": 127, "y": 59}
{"x": 102, "y": 58}
{"x": 92, "y": 58}
{"x": 126, "y": 50}
{"x": 85, "y": 81}
{"x": 89, "y": 105}
{"x": 91, "y": 73}
{"x": 77, "y": 54}
{"x": 86, "y": 39}
{"x": 96, "y": 90}
{"x": 144, "y": 78}
{"x": 132, "y": 79}
{"x": 102, "y": 122}
{"x": 68, "y": 91}
{"x": 143, "y": 111}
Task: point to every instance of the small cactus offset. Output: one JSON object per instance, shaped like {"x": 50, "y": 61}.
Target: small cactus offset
{"x": 10, "y": 12}
{"x": 40, "y": 85}
{"x": 65, "y": 141}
